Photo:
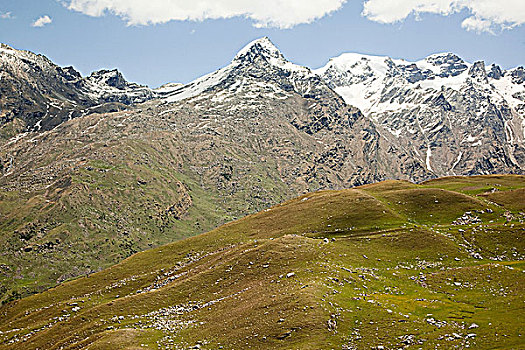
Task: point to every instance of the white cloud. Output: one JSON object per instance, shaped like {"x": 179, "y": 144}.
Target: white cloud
{"x": 486, "y": 15}
{"x": 6, "y": 15}
{"x": 42, "y": 21}
{"x": 264, "y": 13}
{"x": 477, "y": 24}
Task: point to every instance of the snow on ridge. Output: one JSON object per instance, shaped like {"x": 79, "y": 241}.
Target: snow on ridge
{"x": 380, "y": 64}
{"x": 385, "y": 89}
{"x": 4, "y": 48}
{"x": 427, "y": 160}
{"x": 7, "y": 50}
{"x": 168, "y": 87}
{"x": 262, "y": 47}
{"x": 350, "y": 60}
{"x": 199, "y": 85}
{"x": 361, "y": 79}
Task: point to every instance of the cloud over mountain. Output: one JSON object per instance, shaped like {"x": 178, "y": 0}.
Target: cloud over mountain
{"x": 264, "y": 13}
{"x": 484, "y": 15}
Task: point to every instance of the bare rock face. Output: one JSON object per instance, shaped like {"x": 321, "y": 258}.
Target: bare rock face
{"x": 43, "y": 95}
{"x": 455, "y": 116}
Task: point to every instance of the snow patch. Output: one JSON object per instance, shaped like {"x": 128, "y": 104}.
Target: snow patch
{"x": 429, "y": 154}
{"x": 456, "y": 162}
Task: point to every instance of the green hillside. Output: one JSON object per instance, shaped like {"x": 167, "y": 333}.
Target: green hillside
{"x": 383, "y": 266}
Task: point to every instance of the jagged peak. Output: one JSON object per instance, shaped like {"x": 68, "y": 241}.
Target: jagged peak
{"x": 349, "y": 59}
{"x": 441, "y": 54}
{"x": 6, "y": 47}
{"x": 110, "y": 77}
{"x": 478, "y": 68}
{"x": 262, "y": 46}
{"x": 441, "y": 58}
{"x": 246, "y": 59}
{"x": 518, "y": 75}
{"x": 106, "y": 72}
{"x": 495, "y": 72}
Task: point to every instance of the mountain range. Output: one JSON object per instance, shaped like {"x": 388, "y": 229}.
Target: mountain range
{"x": 95, "y": 168}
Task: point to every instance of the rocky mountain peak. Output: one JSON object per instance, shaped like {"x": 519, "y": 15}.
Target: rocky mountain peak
{"x": 258, "y": 66}
{"x": 71, "y": 74}
{"x": 109, "y": 77}
{"x": 6, "y": 47}
{"x": 450, "y": 64}
{"x": 495, "y": 72}
{"x": 452, "y": 107}
{"x": 518, "y": 75}
{"x": 264, "y": 54}
{"x": 477, "y": 71}
{"x": 442, "y": 58}
{"x": 262, "y": 47}
{"x": 43, "y": 95}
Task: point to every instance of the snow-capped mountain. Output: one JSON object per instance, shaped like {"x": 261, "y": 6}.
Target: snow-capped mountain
{"x": 441, "y": 114}
{"x": 42, "y": 95}
{"x": 110, "y": 86}
{"x": 460, "y": 117}
{"x": 312, "y": 132}
{"x": 259, "y": 69}
{"x": 368, "y": 118}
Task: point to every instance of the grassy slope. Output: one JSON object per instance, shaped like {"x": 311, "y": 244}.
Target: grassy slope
{"x": 376, "y": 265}
{"x": 96, "y": 190}
{"x": 106, "y": 205}
{"x": 115, "y": 202}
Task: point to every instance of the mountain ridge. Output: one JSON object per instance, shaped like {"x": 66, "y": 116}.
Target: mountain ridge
{"x": 41, "y": 95}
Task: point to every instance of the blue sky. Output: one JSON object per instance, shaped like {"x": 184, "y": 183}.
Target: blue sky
{"x": 182, "y": 50}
